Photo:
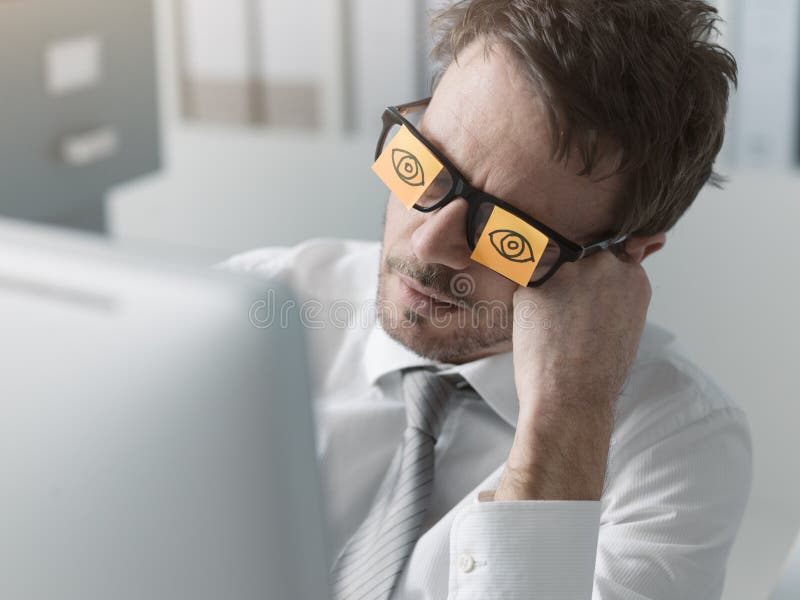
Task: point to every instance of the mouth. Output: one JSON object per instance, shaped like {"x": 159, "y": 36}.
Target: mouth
{"x": 425, "y": 301}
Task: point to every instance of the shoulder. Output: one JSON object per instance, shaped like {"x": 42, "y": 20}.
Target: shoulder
{"x": 678, "y": 478}
{"x": 323, "y": 269}
{"x": 666, "y": 393}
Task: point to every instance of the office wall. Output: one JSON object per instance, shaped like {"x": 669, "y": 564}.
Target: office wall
{"x": 766, "y": 115}
{"x": 726, "y": 283}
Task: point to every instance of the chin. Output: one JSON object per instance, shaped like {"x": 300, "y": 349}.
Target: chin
{"x": 452, "y": 338}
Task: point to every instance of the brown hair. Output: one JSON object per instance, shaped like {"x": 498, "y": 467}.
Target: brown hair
{"x": 645, "y": 74}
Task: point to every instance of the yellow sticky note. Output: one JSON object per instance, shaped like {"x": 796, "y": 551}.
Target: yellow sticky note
{"x": 407, "y": 167}
{"x": 510, "y": 246}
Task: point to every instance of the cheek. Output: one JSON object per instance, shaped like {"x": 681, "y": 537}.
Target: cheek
{"x": 494, "y": 287}
{"x": 399, "y": 223}
{"x": 491, "y": 286}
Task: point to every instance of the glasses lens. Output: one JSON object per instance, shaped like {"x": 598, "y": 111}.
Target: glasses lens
{"x": 546, "y": 262}
{"x": 435, "y": 190}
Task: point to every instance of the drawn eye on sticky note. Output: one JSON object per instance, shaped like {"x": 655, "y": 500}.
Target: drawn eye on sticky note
{"x": 510, "y": 246}
{"x": 407, "y": 167}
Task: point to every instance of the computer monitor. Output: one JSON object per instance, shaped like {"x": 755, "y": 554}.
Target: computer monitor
{"x": 154, "y": 443}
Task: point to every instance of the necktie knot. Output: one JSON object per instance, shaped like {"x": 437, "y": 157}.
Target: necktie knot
{"x": 427, "y": 396}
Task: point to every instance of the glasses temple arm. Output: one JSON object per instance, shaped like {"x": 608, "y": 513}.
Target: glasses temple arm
{"x": 592, "y": 248}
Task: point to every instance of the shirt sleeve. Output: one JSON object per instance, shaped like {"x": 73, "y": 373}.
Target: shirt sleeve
{"x": 663, "y": 530}
{"x": 525, "y": 549}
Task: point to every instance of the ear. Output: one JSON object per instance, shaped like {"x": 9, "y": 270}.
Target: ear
{"x": 639, "y": 247}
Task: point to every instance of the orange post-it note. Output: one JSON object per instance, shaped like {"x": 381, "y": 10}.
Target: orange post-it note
{"x": 407, "y": 167}
{"x": 510, "y": 246}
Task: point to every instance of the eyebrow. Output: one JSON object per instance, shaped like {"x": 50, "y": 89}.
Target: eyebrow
{"x": 439, "y": 146}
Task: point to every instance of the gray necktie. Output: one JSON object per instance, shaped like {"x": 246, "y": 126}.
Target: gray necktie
{"x": 376, "y": 554}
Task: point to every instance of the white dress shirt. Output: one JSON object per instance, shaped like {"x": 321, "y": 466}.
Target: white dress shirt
{"x": 678, "y": 475}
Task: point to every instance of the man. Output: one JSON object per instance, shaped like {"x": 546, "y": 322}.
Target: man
{"x": 506, "y": 426}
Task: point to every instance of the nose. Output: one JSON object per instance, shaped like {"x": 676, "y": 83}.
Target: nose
{"x": 441, "y": 236}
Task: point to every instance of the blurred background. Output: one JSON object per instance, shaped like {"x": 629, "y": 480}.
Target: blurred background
{"x": 223, "y": 126}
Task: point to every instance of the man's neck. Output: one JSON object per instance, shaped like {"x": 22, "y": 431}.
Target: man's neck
{"x": 500, "y": 348}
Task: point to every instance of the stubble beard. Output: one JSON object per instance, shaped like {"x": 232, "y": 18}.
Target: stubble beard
{"x": 472, "y": 331}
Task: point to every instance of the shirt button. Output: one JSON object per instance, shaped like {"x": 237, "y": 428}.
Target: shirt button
{"x": 466, "y": 563}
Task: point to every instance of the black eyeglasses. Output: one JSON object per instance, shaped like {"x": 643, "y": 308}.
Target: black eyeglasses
{"x": 450, "y": 184}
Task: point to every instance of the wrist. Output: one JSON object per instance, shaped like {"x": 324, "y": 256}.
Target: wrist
{"x": 559, "y": 453}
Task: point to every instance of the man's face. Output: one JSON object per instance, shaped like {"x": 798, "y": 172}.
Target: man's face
{"x": 486, "y": 118}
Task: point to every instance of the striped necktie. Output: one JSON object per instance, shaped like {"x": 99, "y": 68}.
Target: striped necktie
{"x": 374, "y": 557}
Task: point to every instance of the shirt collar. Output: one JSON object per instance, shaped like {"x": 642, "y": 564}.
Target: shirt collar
{"x": 491, "y": 377}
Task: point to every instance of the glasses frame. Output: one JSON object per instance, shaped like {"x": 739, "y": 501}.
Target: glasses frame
{"x": 569, "y": 251}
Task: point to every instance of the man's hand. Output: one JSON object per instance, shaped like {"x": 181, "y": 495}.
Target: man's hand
{"x": 574, "y": 341}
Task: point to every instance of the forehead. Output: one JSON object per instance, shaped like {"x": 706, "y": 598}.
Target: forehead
{"x": 487, "y": 117}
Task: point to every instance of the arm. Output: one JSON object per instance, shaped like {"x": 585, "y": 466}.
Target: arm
{"x": 663, "y": 530}
{"x": 544, "y": 528}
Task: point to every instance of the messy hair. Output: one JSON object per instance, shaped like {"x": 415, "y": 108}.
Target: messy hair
{"x": 646, "y": 75}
